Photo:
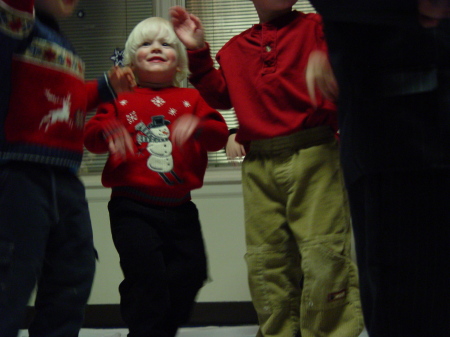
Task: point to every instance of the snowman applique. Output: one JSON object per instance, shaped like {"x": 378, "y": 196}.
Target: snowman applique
{"x": 156, "y": 135}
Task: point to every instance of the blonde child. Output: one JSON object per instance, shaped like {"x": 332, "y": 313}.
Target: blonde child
{"x": 158, "y": 138}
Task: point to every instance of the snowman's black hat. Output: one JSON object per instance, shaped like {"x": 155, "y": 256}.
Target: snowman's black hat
{"x": 158, "y": 121}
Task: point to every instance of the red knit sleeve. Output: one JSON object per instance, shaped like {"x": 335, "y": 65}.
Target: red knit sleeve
{"x": 208, "y": 80}
{"x": 93, "y": 95}
{"x": 25, "y": 6}
{"x": 94, "y": 138}
{"x": 320, "y": 35}
{"x": 213, "y": 130}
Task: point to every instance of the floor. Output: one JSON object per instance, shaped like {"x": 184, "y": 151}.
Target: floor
{"x": 210, "y": 331}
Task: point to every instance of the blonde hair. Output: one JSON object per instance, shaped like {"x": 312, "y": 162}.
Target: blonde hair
{"x": 149, "y": 29}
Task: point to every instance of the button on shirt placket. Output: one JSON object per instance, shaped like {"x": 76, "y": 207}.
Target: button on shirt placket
{"x": 268, "y": 48}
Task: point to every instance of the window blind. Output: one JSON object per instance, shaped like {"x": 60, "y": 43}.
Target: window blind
{"x": 98, "y": 31}
{"x": 221, "y": 20}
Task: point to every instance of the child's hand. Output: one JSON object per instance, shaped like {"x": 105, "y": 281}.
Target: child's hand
{"x": 188, "y": 28}
{"x": 234, "y": 150}
{"x": 319, "y": 74}
{"x": 431, "y": 12}
{"x": 121, "y": 79}
{"x": 183, "y": 128}
{"x": 120, "y": 143}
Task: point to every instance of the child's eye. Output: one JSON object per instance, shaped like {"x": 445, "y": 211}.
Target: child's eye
{"x": 166, "y": 44}
{"x": 146, "y": 44}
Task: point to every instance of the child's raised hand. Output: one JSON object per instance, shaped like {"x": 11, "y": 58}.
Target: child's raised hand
{"x": 121, "y": 79}
{"x": 188, "y": 28}
{"x": 319, "y": 74}
{"x": 120, "y": 143}
{"x": 235, "y": 151}
{"x": 183, "y": 128}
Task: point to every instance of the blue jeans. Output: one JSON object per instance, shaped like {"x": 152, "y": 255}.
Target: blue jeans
{"x": 45, "y": 238}
{"x": 163, "y": 260}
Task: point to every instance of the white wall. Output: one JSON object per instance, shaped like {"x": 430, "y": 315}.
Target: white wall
{"x": 221, "y": 213}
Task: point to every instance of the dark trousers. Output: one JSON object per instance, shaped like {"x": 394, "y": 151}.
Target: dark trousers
{"x": 45, "y": 238}
{"x": 401, "y": 225}
{"x": 163, "y": 260}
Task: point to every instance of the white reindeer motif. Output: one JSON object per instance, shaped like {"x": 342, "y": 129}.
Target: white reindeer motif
{"x": 58, "y": 115}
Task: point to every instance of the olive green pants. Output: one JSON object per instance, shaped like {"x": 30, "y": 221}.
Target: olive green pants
{"x": 301, "y": 276}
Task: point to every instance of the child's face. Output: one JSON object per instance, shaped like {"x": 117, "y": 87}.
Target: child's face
{"x": 271, "y": 9}
{"x": 155, "y": 62}
{"x": 56, "y": 8}
{"x": 274, "y": 5}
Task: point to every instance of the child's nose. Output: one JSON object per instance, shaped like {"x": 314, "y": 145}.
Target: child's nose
{"x": 157, "y": 46}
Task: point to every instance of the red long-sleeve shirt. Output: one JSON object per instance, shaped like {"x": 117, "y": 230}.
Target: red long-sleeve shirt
{"x": 262, "y": 75}
{"x": 159, "y": 172}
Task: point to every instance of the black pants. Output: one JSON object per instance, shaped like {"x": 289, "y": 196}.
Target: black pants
{"x": 401, "y": 225}
{"x": 45, "y": 238}
{"x": 163, "y": 260}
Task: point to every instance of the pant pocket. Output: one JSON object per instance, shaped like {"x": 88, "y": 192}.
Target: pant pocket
{"x": 330, "y": 305}
{"x": 274, "y": 278}
{"x": 329, "y": 272}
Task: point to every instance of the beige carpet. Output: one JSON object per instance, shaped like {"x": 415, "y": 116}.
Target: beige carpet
{"x": 210, "y": 331}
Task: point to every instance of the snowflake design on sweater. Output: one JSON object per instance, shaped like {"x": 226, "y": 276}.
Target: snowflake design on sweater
{"x": 172, "y": 111}
{"x": 123, "y": 102}
{"x": 186, "y": 104}
{"x": 158, "y": 101}
{"x": 132, "y": 117}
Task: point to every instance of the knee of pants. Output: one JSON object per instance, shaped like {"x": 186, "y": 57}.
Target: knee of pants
{"x": 194, "y": 276}
{"x": 6, "y": 255}
{"x": 274, "y": 277}
{"x": 17, "y": 279}
{"x": 330, "y": 275}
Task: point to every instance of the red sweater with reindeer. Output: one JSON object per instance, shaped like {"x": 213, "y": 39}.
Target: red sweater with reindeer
{"x": 43, "y": 96}
{"x": 159, "y": 172}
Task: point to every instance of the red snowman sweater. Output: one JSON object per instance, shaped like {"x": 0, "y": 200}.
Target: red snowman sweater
{"x": 43, "y": 96}
{"x": 159, "y": 172}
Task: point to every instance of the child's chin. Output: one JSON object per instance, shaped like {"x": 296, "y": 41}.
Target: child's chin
{"x": 71, "y": 3}
{"x": 67, "y": 7}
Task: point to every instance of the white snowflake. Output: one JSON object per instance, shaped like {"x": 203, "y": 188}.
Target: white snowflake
{"x": 131, "y": 117}
{"x": 186, "y": 104}
{"x": 172, "y": 111}
{"x": 158, "y": 101}
{"x": 123, "y": 102}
